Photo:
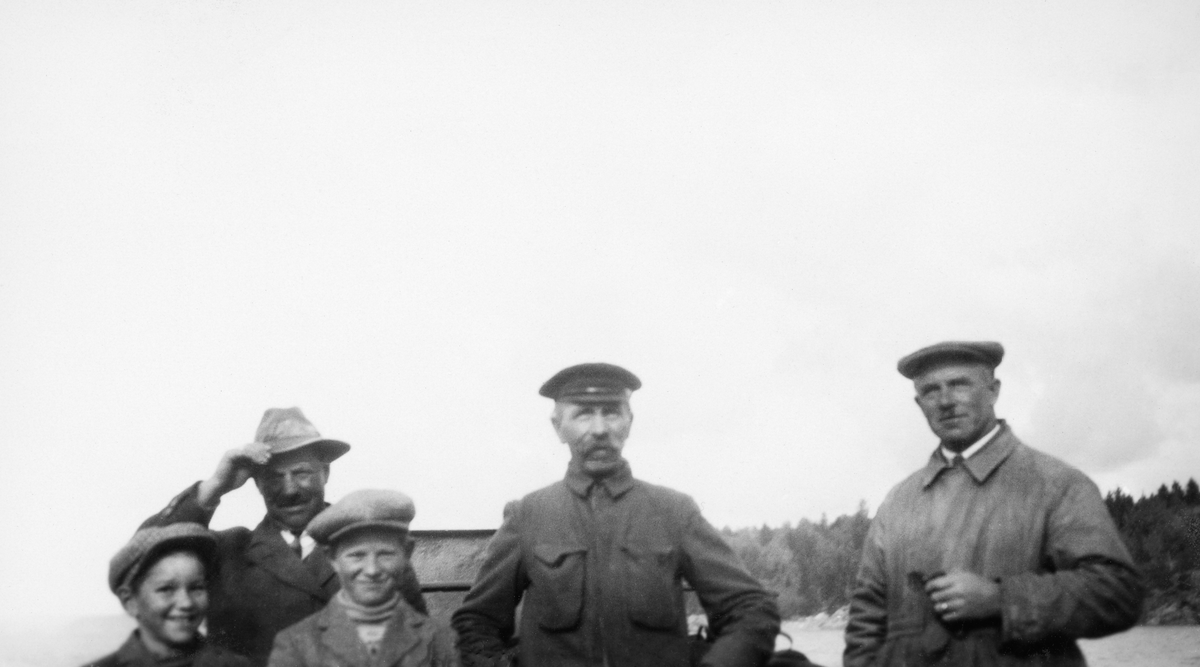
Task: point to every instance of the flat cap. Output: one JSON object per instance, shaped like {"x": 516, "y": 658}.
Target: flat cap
{"x": 989, "y": 353}
{"x": 591, "y": 382}
{"x": 365, "y": 508}
{"x": 287, "y": 429}
{"x": 147, "y": 543}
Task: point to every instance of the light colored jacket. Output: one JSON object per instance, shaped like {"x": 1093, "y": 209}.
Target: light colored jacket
{"x": 1010, "y": 513}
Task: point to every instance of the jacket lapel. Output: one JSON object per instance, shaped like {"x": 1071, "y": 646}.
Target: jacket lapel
{"x": 318, "y": 563}
{"x": 339, "y": 636}
{"x": 268, "y": 550}
{"x": 404, "y": 633}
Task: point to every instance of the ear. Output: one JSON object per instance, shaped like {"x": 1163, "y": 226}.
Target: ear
{"x": 128, "y": 601}
{"x": 995, "y": 390}
{"x": 325, "y": 470}
{"x": 556, "y": 422}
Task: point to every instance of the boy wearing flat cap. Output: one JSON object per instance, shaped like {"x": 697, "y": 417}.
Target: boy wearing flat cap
{"x": 274, "y": 575}
{"x": 993, "y": 553}
{"x": 599, "y": 558}
{"x": 162, "y": 579}
{"x": 367, "y": 623}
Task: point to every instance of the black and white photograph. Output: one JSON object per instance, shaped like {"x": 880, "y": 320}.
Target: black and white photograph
{"x": 324, "y": 326}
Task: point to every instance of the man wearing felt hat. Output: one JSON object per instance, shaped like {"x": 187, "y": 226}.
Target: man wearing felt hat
{"x": 993, "y": 553}
{"x": 599, "y": 558}
{"x": 276, "y": 574}
{"x": 367, "y": 623}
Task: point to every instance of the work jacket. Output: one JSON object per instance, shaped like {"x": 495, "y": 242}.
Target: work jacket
{"x": 600, "y": 566}
{"x": 1008, "y": 513}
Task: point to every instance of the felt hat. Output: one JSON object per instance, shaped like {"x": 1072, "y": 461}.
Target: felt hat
{"x": 287, "y": 429}
{"x": 147, "y": 543}
{"x": 366, "y": 508}
{"x": 988, "y": 353}
{"x": 593, "y": 382}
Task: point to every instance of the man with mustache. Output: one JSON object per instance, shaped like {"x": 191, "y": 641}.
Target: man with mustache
{"x": 275, "y": 575}
{"x": 599, "y": 558}
{"x": 993, "y": 553}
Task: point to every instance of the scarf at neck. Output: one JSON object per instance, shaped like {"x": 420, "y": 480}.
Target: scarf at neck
{"x": 364, "y": 614}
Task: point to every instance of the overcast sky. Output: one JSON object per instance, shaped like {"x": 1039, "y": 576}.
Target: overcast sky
{"x": 403, "y": 218}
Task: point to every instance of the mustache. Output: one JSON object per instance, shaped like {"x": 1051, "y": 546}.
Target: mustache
{"x": 286, "y": 500}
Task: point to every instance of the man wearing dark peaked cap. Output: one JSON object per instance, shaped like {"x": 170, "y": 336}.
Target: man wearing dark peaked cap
{"x": 993, "y": 553}
{"x": 276, "y": 574}
{"x": 599, "y": 558}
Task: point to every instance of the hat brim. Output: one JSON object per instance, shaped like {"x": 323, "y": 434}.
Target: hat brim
{"x": 399, "y": 527}
{"x": 204, "y": 546}
{"x": 609, "y": 397}
{"x": 987, "y": 354}
{"x": 328, "y": 450}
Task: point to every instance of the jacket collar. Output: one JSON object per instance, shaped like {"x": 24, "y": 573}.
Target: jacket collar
{"x": 404, "y": 634}
{"x": 981, "y": 465}
{"x": 134, "y": 652}
{"x": 268, "y": 550}
{"x": 617, "y": 483}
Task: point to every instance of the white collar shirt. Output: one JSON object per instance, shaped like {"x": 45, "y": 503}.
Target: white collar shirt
{"x": 307, "y": 543}
{"x": 975, "y": 447}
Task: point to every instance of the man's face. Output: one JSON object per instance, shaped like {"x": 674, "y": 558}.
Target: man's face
{"x": 959, "y": 401}
{"x": 595, "y": 433}
{"x": 292, "y": 485}
{"x": 369, "y": 563}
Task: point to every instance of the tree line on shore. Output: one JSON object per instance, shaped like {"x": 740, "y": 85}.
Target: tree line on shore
{"x": 812, "y": 565}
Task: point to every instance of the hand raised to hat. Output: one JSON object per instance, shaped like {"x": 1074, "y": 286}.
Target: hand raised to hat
{"x": 236, "y": 466}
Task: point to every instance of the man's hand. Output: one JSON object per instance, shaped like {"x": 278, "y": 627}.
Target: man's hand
{"x": 236, "y": 466}
{"x": 963, "y": 596}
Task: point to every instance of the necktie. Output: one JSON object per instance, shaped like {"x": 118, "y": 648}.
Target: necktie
{"x": 295, "y": 546}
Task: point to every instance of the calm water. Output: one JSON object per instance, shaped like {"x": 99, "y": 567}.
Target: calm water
{"x": 1139, "y": 647}
{"x": 24, "y": 643}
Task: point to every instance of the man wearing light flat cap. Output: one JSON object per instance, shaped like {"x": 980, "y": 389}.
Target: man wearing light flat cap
{"x": 367, "y": 623}
{"x": 599, "y": 558}
{"x": 276, "y": 574}
{"x": 993, "y": 553}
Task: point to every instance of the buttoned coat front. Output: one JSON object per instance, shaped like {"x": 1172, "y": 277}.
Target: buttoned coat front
{"x": 1009, "y": 513}
{"x": 600, "y": 566}
{"x": 330, "y": 638}
{"x": 263, "y": 587}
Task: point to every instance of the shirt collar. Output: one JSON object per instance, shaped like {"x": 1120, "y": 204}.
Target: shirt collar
{"x": 976, "y": 446}
{"x": 617, "y": 482}
{"x": 307, "y": 543}
{"x": 982, "y": 463}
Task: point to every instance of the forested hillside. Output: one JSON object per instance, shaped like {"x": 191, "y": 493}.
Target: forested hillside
{"x": 1162, "y": 532}
{"x": 812, "y": 565}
